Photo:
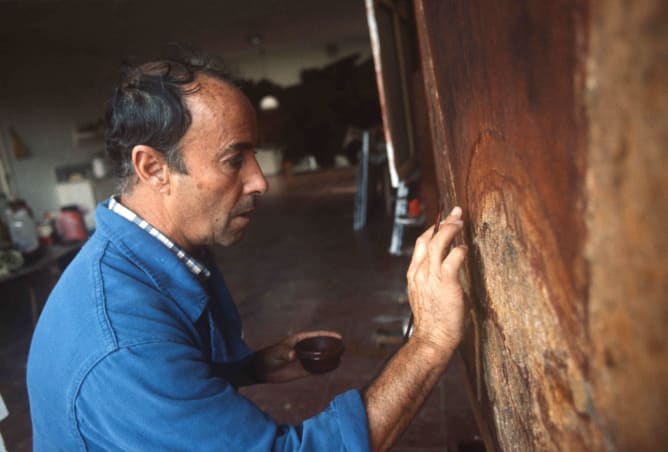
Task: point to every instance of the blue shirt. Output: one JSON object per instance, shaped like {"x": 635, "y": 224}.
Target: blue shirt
{"x": 131, "y": 352}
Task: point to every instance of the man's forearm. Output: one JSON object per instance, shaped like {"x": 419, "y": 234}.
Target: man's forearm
{"x": 400, "y": 390}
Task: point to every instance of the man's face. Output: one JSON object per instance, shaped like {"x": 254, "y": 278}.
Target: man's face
{"x": 214, "y": 201}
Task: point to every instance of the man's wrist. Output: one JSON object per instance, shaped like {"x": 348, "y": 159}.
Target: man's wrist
{"x": 433, "y": 352}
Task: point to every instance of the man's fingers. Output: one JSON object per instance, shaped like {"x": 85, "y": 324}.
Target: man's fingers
{"x": 439, "y": 244}
{"x": 454, "y": 260}
{"x": 421, "y": 244}
{"x": 284, "y": 353}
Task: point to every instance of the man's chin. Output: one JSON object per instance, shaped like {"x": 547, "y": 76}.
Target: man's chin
{"x": 232, "y": 238}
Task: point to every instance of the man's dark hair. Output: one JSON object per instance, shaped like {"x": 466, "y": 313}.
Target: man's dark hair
{"x": 148, "y": 108}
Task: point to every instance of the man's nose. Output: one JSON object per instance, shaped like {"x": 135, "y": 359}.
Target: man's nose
{"x": 256, "y": 183}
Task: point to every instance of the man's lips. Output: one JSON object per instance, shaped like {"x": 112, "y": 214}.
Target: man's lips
{"x": 246, "y": 209}
{"x": 246, "y": 213}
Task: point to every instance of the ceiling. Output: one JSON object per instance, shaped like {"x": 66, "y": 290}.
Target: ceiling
{"x": 144, "y": 27}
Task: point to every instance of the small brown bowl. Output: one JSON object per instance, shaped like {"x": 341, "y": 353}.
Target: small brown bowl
{"x": 319, "y": 354}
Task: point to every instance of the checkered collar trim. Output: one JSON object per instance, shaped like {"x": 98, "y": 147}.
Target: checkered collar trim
{"x": 193, "y": 264}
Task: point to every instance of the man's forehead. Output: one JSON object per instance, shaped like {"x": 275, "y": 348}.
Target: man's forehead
{"x": 214, "y": 91}
{"x": 219, "y": 107}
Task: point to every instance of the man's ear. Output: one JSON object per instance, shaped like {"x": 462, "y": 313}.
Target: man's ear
{"x": 151, "y": 167}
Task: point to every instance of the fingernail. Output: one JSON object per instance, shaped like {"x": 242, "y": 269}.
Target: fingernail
{"x": 456, "y": 212}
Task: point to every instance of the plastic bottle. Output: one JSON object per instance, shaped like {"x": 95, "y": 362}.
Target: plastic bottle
{"x": 22, "y": 230}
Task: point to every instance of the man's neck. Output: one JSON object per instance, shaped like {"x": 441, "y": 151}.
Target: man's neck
{"x": 150, "y": 206}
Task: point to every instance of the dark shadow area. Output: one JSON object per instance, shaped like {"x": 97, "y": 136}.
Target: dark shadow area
{"x": 314, "y": 116}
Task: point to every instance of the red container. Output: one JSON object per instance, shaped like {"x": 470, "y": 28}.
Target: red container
{"x": 71, "y": 226}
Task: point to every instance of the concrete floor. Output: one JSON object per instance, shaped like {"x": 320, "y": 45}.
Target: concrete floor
{"x": 299, "y": 267}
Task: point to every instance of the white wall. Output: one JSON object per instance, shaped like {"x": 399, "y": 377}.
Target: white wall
{"x": 44, "y": 99}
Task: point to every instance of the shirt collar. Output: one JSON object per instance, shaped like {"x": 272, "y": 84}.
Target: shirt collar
{"x": 195, "y": 267}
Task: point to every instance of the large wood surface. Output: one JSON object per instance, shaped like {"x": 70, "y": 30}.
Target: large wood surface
{"x": 549, "y": 126}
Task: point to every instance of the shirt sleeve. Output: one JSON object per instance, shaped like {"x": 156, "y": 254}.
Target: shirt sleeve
{"x": 162, "y": 396}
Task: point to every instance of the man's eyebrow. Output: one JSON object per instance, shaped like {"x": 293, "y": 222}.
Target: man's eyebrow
{"x": 239, "y": 146}
{"x": 234, "y": 148}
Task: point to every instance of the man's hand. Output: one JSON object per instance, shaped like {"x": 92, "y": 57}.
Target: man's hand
{"x": 434, "y": 292}
{"x": 278, "y": 363}
{"x": 438, "y": 311}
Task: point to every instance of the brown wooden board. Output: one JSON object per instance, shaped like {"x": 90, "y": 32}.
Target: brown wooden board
{"x": 627, "y": 216}
{"x": 519, "y": 135}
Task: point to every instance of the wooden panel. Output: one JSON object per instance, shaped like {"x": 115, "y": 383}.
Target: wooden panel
{"x": 627, "y": 218}
{"x": 521, "y": 119}
{"x": 503, "y": 75}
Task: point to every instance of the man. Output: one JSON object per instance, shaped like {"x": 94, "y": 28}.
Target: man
{"x": 139, "y": 346}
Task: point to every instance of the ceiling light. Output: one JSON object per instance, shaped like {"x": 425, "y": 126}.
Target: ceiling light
{"x": 269, "y": 103}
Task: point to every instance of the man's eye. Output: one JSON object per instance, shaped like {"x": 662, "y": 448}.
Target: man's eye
{"x": 235, "y": 162}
